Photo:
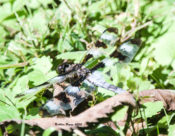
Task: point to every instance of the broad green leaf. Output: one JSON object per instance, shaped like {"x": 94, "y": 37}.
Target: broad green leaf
{"x": 171, "y": 78}
{"x": 43, "y": 64}
{"x": 25, "y": 102}
{"x": 136, "y": 83}
{"x": 61, "y": 11}
{"x": 17, "y": 48}
{"x": 120, "y": 74}
{"x": 8, "y": 112}
{"x": 39, "y": 22}
{"x": 164, "y": 121}
{"x": 18, "y": 4}
{"x": 10, "y": 72}
{"x": 64, "y": 45}
{"x": 171, "y": 130}
{"x": 164, "y": 47}
{"x": 5, "y": 11}
{"x": 33, "y": 4}
{"x": 77, "y": 55}
{"x": 105, "y": 92}
{"x": 37, "y": 77}
{"x": 48, "y": 131}
{"x": 151, "y": 108}
{"x": 3, "y": 34}
{"x": 4, "y": 59}
{"x": 45, "y": 2}
{"x": 33, "y": 113}
{"x": 21, "y": 85}
{"x": 119, "y": 114}
{"x": 101, "y": 131}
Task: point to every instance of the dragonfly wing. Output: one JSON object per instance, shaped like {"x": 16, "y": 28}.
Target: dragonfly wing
{"x": 57, "y": 79}
{"x": 72, "y": 90}
{"x": 89, "y": 87}
{"x": 97, "y": 79}
{"x": 54, "y": 108}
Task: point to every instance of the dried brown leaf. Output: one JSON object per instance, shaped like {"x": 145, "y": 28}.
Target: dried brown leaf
{"x": 164, "y": 95}
{"x": 136, "y": 128}
{"x": 91, "y": 115}
{"x": 111, "y": 124}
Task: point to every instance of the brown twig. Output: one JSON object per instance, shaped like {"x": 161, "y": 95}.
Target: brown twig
{"x": 13, "y": 65}
{"x": 132, "y": 31}
{"x": 128, "y": 120}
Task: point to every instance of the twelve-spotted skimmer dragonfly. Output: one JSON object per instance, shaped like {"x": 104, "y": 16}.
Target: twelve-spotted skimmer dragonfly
{"x": 78, "y": 75}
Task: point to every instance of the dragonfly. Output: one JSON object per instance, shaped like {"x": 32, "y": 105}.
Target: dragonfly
{"x": 78, "y": 75}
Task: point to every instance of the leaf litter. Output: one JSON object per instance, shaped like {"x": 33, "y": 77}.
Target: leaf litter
{"x": 91, "y": 115}
{"x": 101, "y": 110}
{"x": 166, "y": 96}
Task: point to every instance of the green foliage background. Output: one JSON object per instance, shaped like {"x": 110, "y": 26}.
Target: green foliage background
{"x": 35, "y": 35}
